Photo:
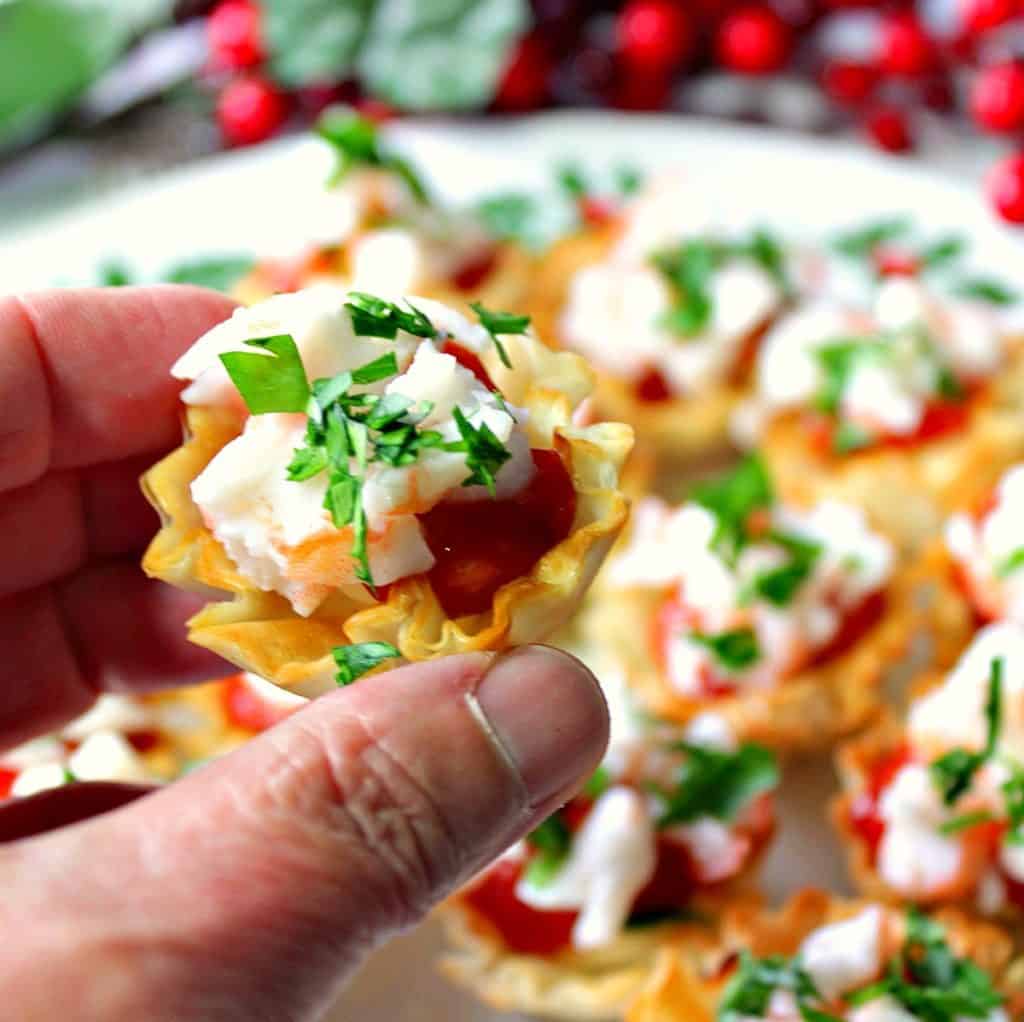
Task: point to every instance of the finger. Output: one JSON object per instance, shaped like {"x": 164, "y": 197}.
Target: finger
{"x": 84, "y": 375}
{"x": 60, "y": 807}
{"x": 52, "y": 527}
{"x": 106, "y": 628}
{"x": 249, "y": 888}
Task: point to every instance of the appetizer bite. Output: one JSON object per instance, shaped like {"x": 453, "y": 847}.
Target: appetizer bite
{"x": 119, "y": 739}
{"x": 668, "y": 311}
{"x": 824, "y": 960}
{"x": 907, "y": 411}
{"x": 379, "y": 229}
{"x": 567, "y": 922}
{"x": 782, "y": 620}
{"x": 932, "y": 809}
{"x": 367, "y": 480}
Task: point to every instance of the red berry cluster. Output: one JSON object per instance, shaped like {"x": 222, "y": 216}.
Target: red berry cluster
{"x": 636, "y": 54}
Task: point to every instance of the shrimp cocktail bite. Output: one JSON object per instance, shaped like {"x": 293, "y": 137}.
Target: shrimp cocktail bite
{"x": 364, "y": 480}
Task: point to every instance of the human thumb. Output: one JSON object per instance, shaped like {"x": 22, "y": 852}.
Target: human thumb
{"x": 251, "y": 888}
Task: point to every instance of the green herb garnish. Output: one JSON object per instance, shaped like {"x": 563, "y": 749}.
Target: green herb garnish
{"x": 860, "y": 242}
{"x": 552, "y": 841}
{"x": 356, "y": 142}
{"x": 361, "y": 658}
{"x": 495, "y": 323}
{"x": 987, "y": 290}
{"x": 779, "y": 585}
{"x": 733, "y": 499}
{"x": 940, "y": 252}
{"x": 509, "y": 217}
{"x": 953, "y": 772}
{"x": 733, "y": 650}
{"x": 717, "y": 783}
{"x": 219, "y": 273}
{"x": 749, "y": 992}
{"x": 688, "y": 268}
{"x": 275, "y": 382}
{"x": 572, "y": 181}
{"x": 377, "y": 317}
{"x": 1011, "y": 563}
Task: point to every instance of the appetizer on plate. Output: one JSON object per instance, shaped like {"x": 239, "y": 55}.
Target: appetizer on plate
{"x": 782, "y": 620}
{"x": 820, "y": 959}
{"x": 932, "y": 808}
{"x": 668, "y": 311}
{"x": 379, "y": 229}
{"x": 908, "y": 411}
{"x": 567, "y": 922}
{"x": 363, "y": 480}
{"x": 119, "y": 739}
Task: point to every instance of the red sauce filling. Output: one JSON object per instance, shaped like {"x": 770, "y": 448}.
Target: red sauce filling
{"x": 652, "y": 387}
{"x": 864, "y": 817}
{"x": 479, "y": 546}
{"x": 675, "y": 617}
{"x": 7, "y": 779}
{"x": 472, "y": 274}
{"x": 469, "y": 360}
{"x": 245, "y": 709}
{"x": 940, "y": 419}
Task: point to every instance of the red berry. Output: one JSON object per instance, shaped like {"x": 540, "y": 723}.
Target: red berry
{"x": 997, "y": 98}
{"x": 849, "y": 82}
{"x": 754, "y": 40}
{"x": 905, "y": 48}
{"x": 889, "y": 129}
{"x": 981, "y": 15}
{"x": 250, "y": 110}
{"x": 654, "y": 34}
{"x": 1005, "y": 186}
{"x": 233, "y": 32}
{"x": 524, "y": 83}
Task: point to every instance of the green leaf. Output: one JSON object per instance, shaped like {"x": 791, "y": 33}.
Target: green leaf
{"x": 313, "y": 41}
{"x": 115, "y": 274}
{"x": 945, "y": 250}
{"x": 838, "y": 361}
{"x": 572, "y": 180}
{"x": 858, "y": 244}
{"x": 597, "y": 784}
{"x": 732, "y": 499}
{"x": 733, "y": 650}
{"x": 552, "y": 841}
{"x": 52, "y": 50}
{"x": 377, "y": 317}
{"x": 850, "y": 437}
{"x": 767, "y": 251}
{"x": 485, "y": 453}
{"x": 379, "y": 369}
{"x": 511, "y": 216}
{"x": 361, "y": 658}
{"x": 439, "y": 54}
{"x": 269, "y": 383}
{"x": 965, "y": 822}
{"x": 688, "y": 268}
{"x": 1011, "y": 563}
{"x": 717, "y": 783}
{"x": 986, "y": 289}
{"x": 496, "y": 323}
{"x": 219, "y": 273}
{"x": 779, "y": 585}
{"x": 628, "y": 179}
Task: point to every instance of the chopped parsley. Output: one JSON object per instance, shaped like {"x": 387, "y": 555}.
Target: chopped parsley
{"x": 986, "y": 289}
{"x": 779, "y": 585}
{"x": 511, "y": 216}
{"x": 361, "y": 658}
{"x": 940, "y": 252}
{"x": 275, "y": 382}
{"x": 628, "y": 179}
{"x": 1011, "y": 563}
{"x": 356, "y": 142}
{"x": 219, "y": 273}
{"x": 929, "y": 981}
{"x": 346, "y": 431}
{"x": 733, "y": 650}
{"x": 861, "y": 242}
{"x": 552, "y": 841}
{"x": 597, "y": 784}
{"x": 733, "y": 498}
{"x": 495, "y": 323}
{"x": 953, "y": 772}
{"x": 572, "y": 181}
{"x": 750, "y": 990}
{"x": 717, "y": 783}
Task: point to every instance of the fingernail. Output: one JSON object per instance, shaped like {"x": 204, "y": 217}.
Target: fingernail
{"x": 548, "y": 715}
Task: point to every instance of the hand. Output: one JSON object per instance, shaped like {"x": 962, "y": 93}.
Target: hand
{"x": 250, "y": 888}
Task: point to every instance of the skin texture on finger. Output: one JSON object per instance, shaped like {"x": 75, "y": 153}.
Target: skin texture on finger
{"x": 106, "y": 628}
{"x": 84, "y": 374}
{"x": 249, "y": 889}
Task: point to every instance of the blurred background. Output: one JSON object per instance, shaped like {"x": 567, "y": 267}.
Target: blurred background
{"x": 95, "y": 93}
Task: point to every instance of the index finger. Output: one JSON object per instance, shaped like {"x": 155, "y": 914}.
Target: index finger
{"x": 85, "y": 374}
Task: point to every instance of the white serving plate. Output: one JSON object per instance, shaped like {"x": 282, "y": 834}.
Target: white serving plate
{"x": 259, "y": 201}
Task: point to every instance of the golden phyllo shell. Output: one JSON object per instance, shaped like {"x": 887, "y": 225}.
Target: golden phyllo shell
{"x": 680, "y": 992}
{"x": 260, "y": 632}
{"x": 908, "y": 491}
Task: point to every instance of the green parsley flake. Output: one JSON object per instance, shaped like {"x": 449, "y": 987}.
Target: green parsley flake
{"x": 377, "y": 317}
{"x": 552, "y": 841}
{"x": 733, "y": 498}
{"x": 953, "y": 772}
{"x": 750, "y": 990}
{"x": 356, "y": 143}
{"x": 496, "y": 323}
{"x": 733, "y": 651}
{"x": 717, "y": 783}
{"x": 275, "y": 382}
{"x": 859, "y": 243}
{"x": 779, "y": 585}
{"x": 986, "y": 289}
{"x": 1011, "y": 563}
{"x": 361, "y": 658}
